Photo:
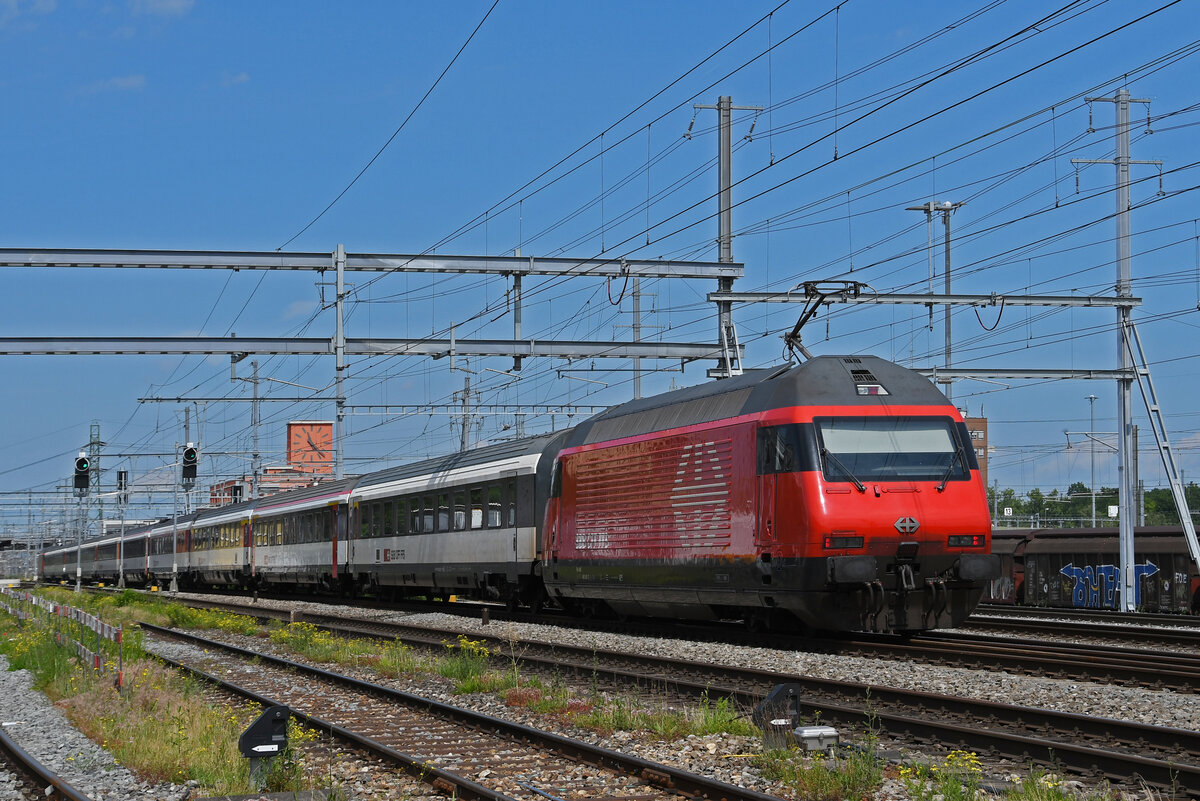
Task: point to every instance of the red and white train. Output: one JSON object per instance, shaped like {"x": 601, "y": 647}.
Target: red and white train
{"x": 838, "y": 494}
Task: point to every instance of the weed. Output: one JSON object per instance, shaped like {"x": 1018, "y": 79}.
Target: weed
{"x": 847, "y": 773}
{"x": 956, "y": 778}
{"x": 1042, "y": 785}
{"x": 466, "y": 661}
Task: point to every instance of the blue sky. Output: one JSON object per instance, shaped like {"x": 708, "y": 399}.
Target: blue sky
{"x": 230, "y": 126}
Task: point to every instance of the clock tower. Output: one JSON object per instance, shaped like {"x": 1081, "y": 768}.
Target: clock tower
{"x": 310, "y": 446}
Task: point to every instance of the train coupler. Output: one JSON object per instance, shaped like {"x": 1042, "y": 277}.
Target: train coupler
{"x": 874, "y": 605}
{"x": 937, "y": 599}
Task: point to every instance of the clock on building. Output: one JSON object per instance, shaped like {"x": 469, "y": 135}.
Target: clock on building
{"x": 310, "y": 446}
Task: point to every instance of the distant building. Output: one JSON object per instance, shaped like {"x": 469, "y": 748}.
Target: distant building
{"x": 977, "y": 427}
{"x": 273, "y": 479}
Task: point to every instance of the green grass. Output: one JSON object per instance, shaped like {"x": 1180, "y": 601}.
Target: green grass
{"x": 1042, "y": 785}
{"x": 604, "y": 714}
{"x": 159, "y": 724}
{"x": 846, "y": 774}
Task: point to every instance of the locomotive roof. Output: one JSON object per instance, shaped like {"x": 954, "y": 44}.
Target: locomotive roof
{"x": 822, "y": 381}
{"x": 476, "y": 456}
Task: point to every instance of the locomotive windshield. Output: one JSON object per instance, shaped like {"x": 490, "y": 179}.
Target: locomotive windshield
{"x": 857, "y": 449}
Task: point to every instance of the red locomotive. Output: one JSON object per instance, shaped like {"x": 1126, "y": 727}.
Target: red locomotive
{"x": 840, "y": 494}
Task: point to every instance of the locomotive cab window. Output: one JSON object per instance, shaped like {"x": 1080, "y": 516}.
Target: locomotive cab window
{"x": 781, "y": 449}
{"x": 857, "y": 449}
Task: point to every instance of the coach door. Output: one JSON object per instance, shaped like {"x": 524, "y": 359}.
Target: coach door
{"x": 247, "y": 554}
{"x": 340, "y": 552}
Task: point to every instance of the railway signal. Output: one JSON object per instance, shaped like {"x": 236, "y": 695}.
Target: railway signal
{"x": 191, "y": 458}
{"x": 83, "y": 468}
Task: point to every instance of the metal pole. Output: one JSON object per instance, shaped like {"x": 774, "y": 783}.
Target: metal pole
{"x": 725, "y": 230}
{"x": 725, "y": 178}
{"x": 339, "y": 347}
{"x": 637, "y": 336}
{"x": 121, "y": 502}
{"x": 517, "y": 310}
{"x": 948, "y": 207}
{"x": 79, "y": 547}
{"x": 174, "y": 586}
{"x": 1126, "y": 453}
{"x": 1092, "y": 448}
{"x": 255, "y": 456}
{"x": 724, "y": 109}
{"x": 466, "y": 421}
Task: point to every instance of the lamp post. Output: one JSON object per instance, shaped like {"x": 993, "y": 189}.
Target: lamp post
{"x": 1092, "y": 447}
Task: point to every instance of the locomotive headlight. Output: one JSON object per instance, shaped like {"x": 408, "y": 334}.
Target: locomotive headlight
{"x": 832, "y": 542}
{"x": 966, "y": 541}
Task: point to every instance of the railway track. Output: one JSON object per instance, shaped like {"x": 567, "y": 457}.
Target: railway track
{"x": 1125, "y": 629}
{"x": 1088, "y": 615}
{"x": 458, "y": 752}
{"x": 23, "y": 777}
{"x": 1152, "y": 669}
{"x": 1116, "y": 750}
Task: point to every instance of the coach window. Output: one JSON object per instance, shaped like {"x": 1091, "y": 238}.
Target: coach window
{"x": 389, "y": 519}
{"x": 495, "y": 505}
{"x": 460, "y": 510}
{"x": 428, "y": 513}
{"x": 477, "y": 507}
{"x": 401, "y": 516}
{"x": 510, "y": 503}
{"x": 414, "y": 515}
{"x": 327, "y": 525}
{"x": 443, "y": 511}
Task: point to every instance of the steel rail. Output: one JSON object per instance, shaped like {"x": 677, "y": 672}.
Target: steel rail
{"x": 665, "y": 777}
{"x": 56, "y": 786}
{"x": 855, "y": 707}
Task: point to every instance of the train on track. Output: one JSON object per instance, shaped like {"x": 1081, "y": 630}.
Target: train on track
{"x": 1079, "y": 568}
{"x": 839, "y": 494}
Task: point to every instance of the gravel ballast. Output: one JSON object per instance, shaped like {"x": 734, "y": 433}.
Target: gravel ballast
{"x": 43, "y": 730}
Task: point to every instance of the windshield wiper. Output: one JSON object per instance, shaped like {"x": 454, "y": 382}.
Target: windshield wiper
{"x": 829, "y": 457}
{"x": 958, "y": 454}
